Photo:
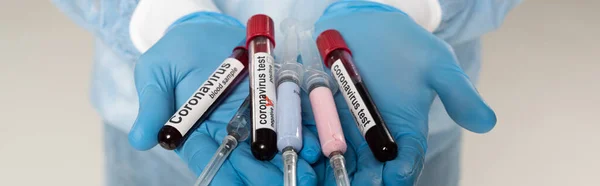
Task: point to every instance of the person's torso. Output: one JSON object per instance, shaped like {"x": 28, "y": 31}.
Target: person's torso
{"x": 115, "y": 97}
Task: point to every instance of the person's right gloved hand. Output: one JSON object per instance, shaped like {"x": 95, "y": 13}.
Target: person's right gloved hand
{"x": 168, "y": 74}
{"x": 404, "y": 67}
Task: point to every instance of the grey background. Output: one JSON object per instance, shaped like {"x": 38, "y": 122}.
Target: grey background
{"x": 540, "y": 73}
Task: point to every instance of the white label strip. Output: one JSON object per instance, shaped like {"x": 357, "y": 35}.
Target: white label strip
{"x": 206, "y": 95}
{"x": 357, "y": 106}
{"x": 263, "y": 100}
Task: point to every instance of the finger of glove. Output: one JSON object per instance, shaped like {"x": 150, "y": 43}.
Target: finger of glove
{"x": 368, "y": 169}
{"x": 460, "y": 98}
{"x": 156, "y": 102}
{"x": 411, "y": 137}
{"x": 320, "y": 168}
{"x": 304, "y": 172}
{"x": 406, "y": 168}
{"x": 311, "y": 150}
{"x": 306, "y": 175}
{"x": 252, "y": 171}
{"x": 197, "y": 152}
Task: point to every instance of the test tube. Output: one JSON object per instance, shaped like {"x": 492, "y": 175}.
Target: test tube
{"x": 289, "y": 119}
{"x": 238, "y": 130}
{"x": 338, "y": 57}
{"x": 321, "y": 88}
{"x": 204, "y": 100}
{"x": 260, "y": 42}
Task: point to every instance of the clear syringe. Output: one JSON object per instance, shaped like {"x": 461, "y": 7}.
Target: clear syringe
{"x": 238, "y": 130}
{"x": 321, "y": 88}
{"x": 289, "y": 119}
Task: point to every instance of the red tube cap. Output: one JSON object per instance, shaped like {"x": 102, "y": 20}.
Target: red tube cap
{"x": 260, "y": 25}
{"x": 329, "y": 41}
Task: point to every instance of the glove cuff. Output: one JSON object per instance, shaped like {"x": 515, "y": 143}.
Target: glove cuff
{"x": 152, "y": 18}
{"x": 426, "y": 13}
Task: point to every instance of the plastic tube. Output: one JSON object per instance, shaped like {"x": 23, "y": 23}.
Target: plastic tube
{"x": 337, "y": 56}
{"x": 260, "y": 42}
{"x": 199, "y": 106}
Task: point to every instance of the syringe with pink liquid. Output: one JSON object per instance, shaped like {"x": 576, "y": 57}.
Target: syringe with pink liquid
{"x": 321, "y": 88}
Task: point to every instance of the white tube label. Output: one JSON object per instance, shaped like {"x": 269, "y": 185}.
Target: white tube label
{"x": 206, "y": 95}
{"x": 362, "y": 116}
{"x": 263, "y": 93}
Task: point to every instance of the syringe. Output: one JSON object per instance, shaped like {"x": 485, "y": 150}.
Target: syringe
{"x": 321, "y": 89}
{"x": 238, "y": 130}
{"x": 289, "y": 119}
{"x": 260, "y": 41}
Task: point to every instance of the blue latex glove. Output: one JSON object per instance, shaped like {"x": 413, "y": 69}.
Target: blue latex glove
{"x": 404, "y": 67}
{"x": 169, "y": 72}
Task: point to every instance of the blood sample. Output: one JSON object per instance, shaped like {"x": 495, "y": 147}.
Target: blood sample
{"x": 237, "y": 131}
{"x": 338, "y": 57}
{"x": 204, "y": 101}
{"x": 260, "y": 40}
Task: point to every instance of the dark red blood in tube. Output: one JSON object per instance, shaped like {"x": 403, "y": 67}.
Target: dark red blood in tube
{"x": 337, "y": 56}
{"x": 260, "y": 42}
{"x": 170, "y": 137}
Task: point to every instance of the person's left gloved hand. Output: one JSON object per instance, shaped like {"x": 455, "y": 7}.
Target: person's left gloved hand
{"x": 168, "y": 74}
{"x": 403, "y": 66}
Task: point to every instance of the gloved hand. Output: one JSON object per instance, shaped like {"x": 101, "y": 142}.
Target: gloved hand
{"x": 167, "y": 75}
{"x": 404, "y": 67}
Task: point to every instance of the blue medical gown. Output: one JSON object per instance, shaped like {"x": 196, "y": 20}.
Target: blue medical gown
{"x": 114, "y": 96}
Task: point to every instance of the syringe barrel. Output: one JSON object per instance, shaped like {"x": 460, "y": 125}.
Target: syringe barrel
{"x": 331, "y": 135}
{"x": 289, "y": 116}
{"x": 289, "y": 76}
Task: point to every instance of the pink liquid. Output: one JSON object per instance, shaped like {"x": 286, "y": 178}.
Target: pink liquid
{"x": 329, "y": 128}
